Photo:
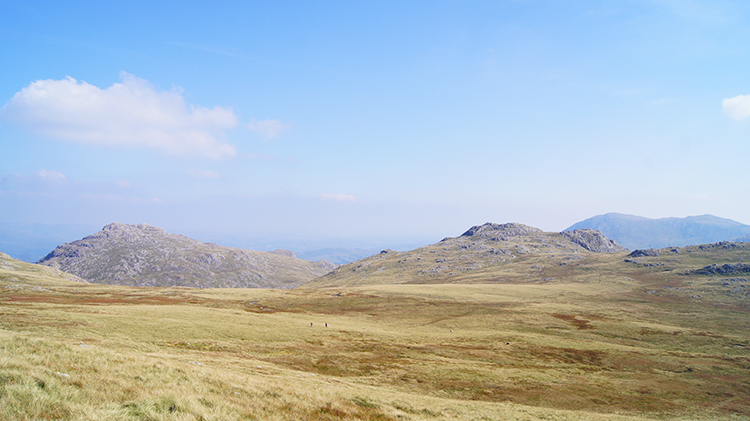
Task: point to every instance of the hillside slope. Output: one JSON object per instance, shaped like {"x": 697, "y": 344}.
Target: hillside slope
{"x": 650, "y": 335}
{"x": 478, "y": 255}
{"x": 142, "y": 255}
{"x": 636, "y": 232}
{"x": 17, "y": 274}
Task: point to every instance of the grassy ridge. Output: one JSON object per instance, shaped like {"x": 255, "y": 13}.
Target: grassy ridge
{"x": 603, "y": 339}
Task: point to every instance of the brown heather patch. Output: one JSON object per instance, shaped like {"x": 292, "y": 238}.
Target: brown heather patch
{"x": 580, "y": 324}
{"x": 99, "y": 299}
{"x": 588, "y": 358}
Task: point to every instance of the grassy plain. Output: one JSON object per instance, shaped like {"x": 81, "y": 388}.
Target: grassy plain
{"x": 602, "y": 339}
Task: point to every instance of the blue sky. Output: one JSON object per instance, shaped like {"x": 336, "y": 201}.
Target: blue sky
{"x": 363, "y": 120}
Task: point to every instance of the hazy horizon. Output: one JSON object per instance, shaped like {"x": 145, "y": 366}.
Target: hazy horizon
{"x": 376, "y": 120}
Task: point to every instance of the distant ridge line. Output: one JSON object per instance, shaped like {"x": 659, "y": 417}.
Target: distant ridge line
{"x": 637, "y": 232}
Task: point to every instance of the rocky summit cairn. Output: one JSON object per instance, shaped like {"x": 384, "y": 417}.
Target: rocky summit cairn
{"x": 143, "y": 255}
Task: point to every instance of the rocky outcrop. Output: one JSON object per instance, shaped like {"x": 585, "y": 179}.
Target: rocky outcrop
{"x": 143, "y": 255}
{"x": 593, "y": 240}
{"x": 325, "y": 265}
{"x": 284, "y": 252}
{"x": 726, "y": 269}
{"x": 499, "y": 231}
{"x": 644, "y": 253}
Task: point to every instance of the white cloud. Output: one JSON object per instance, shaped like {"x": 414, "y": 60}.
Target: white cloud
{"x": 260, "y": 156}
{"x": 270, "y": 129}
{"x": 131, "y": 113}
{"x": 737, "y": 107}
{"x": 124, "y": 183}
{"x": 50, "y": 175}
{"x": 340, "y": 197}
{"x": 203, "y": 173}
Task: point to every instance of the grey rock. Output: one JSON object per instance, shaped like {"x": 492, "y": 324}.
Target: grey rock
{"x": 644, "y": 253}
{"x": 284, "y": 252}
{"x": 498, "y": 232}
{"x": 142, "y": 255}
{"x": 726, "y": 269}
{"x": 593, "y": 240}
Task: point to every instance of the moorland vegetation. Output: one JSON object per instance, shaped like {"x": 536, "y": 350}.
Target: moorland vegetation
{"x": 540, "y": 326}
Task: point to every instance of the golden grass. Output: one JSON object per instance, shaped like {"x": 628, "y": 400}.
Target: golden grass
{"x": 593, "y": 346}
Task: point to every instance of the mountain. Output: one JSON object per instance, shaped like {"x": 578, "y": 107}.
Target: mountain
{"x": 635, "y": 232}
{"x": 477, "y": 255}
{"x": 142, "y": 255}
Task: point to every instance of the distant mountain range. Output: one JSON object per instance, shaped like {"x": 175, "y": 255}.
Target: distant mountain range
{"x": 142, "y": 255}
{"x": 636, "y": 232}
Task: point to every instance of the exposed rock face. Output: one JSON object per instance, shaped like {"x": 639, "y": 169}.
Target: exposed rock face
{"x": 644, "y": 253}
{"x": 326, "y": 266}
{"x": 284, "y": 252}
{"x": 498, "y": 231}
{"x": 480, "y": 248}
{"x": 142, "y": 255}
{"x": 593, "y": 240}
{"x": 726, "y": 269}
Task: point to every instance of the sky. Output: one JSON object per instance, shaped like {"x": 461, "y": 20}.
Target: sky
{"x": 366, "y": 121}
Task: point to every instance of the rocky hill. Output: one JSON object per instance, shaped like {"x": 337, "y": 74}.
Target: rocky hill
{"x": 636, "y": 232}
{"x": 142, "y": 255}
{"x": 481, "y": 250}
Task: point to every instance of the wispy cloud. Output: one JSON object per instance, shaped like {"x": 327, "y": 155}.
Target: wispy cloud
{"x": 131, "y": 113}
{"x": 203, "y": 173}
{"x": 339, "y": 197}
{"x": 737, "y": 107}
{"x": 270, "y": 129}
{"x": 50, "y": 175}
{"x": 124, "y": 183}
{"x": 257, "y": 156}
